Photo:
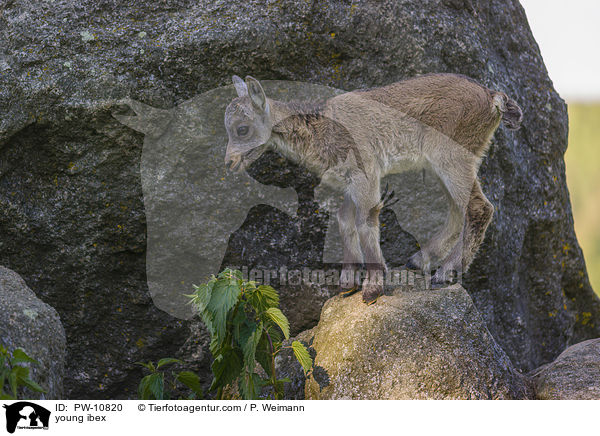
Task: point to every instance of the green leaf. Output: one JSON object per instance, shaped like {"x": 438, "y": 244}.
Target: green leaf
{"x": 302, "y": 355}
{"x": 32, "y": 385}
{"x": 279, "y": 318}
{"x": 226, "y": 367}
{"x": 152, "y": 387}
{"x": 19, "y": 356}
{"x": 249, "y": 385}
{"x": 263, "y": 355}
{"x": 263, "y": 298}
{"x": 20, "y": 371}
{"x": 250, "y": 336}
{"x": 215, "y": 346}
{"x": 191, "y": 380}
{"x": 224, "y": 296}
{"x": 12, "y": 382}
{"x": 249, "y": 286}
{"x": 239, "y": 320}
{"x": 167, "y": 361}
{"x": 202, "y": 296}
{"x": 269, "y": 294}
{"x": 143, "y": 393}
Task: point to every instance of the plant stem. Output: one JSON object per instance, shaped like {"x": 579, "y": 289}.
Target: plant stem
{"x": 273, "y": 377}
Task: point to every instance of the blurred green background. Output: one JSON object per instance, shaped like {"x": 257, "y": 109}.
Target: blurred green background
{"x": 583, "y": 178}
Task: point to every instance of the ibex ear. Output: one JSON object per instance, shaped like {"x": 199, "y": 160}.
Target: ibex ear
{"x": 240, "y": 86}
{"x": 256, "y": 92}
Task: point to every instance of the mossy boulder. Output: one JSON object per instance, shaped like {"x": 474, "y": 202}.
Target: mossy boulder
{"x": 574, "y": 375}
{"x": 414, "y": 344}
{"x": 27, "y": 322}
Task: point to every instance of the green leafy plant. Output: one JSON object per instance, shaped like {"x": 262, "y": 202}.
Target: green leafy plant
{"x": 14, "y": 375}
{"x": 246, "y": 327}
{"x": 160, "y": 385}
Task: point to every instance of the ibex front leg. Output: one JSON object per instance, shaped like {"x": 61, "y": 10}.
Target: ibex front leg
{"x": 353, "y": 257}
{"x": 367, "y": 223}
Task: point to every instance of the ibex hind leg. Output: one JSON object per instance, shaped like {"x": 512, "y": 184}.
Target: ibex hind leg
{"x": 438, "y": 247}
{"x": 477, "y": 218}
{"x": 456, "y": 169}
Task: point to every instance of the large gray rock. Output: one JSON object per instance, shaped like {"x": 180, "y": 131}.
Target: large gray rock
{"x": 414, "y": 344}
{"x": 71, "y": 211}
{"x": 574, "y": 375}
{"x": 28, "y": 323}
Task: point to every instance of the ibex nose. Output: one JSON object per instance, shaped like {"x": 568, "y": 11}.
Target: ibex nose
{"x": 232, "y": 161}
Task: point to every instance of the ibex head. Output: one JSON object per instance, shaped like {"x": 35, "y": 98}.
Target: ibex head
{"x": 248, "y": 123}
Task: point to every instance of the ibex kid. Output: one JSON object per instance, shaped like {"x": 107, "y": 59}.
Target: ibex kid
{"x": 441, "y": 121}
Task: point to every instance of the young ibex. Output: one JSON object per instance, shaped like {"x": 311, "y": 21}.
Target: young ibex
{"x": 351, "y": 141}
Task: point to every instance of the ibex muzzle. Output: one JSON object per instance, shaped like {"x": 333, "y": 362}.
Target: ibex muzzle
{"x": 441, "y": 121}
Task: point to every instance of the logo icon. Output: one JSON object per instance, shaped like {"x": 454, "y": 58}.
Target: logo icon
{"x": 26, "y": 415}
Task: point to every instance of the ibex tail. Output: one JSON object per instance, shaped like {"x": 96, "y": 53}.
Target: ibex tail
{"x": 512, "y": 115}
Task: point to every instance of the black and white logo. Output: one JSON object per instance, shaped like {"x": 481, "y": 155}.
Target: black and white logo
{"x": 26, "y": 415}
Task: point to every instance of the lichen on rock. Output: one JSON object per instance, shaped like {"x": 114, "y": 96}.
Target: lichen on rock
{"x": 413, "y": 344}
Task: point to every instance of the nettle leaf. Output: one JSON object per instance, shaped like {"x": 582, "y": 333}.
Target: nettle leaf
{"x": 249, "y": 286}
{"x": 19, "y": 356}
{"x": 226, "y": 367}
{"x": 263, "y": 297}
{"x": 263, "y": 355}
{"x": 250, "y": 385}
{"x": 155, "y": 385}
{"x": 32, "y": 385}
{"x": 302, "y": 355}
{"x": 191, "y": 380}
{"x": 224, "y": 297}
{"x": 20, "y": 372}
{"x": 269, "y": 294}
{"x": 238, "y": 320}
{"x": 249, "y": 337}
{"x": 279, "y": 318}
{"x": 215, "y": 345}
{"x": 167, "y": 361}
{"x": 202, "y": 296}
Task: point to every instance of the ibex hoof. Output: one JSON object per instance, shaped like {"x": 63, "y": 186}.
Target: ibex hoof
{"x": 437, "y": 283}
{"x": 371, "y": 293}
{"x": 443, "y": 279}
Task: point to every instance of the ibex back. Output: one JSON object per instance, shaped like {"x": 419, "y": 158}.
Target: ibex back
{"x": 441, "y": 121}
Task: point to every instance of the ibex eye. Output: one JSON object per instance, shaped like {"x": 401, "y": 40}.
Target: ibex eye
{"x": 242, "y": 130}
